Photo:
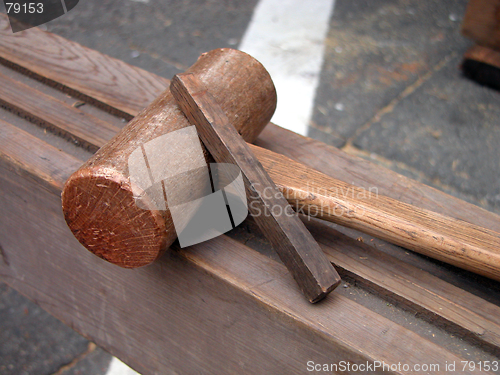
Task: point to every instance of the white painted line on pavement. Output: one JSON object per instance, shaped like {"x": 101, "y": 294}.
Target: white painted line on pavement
{"x": 117, "y": 367}
{"x": 287, "y": 37}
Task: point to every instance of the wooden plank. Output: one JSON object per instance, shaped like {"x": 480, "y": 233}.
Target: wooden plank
{"x": 232, "y": 307}
{"x": 86, "y": 129}
{"x": 30, "y": 155}
{"x": 57, "y": 116}
{"x": 481, "y": 22}
{"x": 421, "y": 291}
{"x": 80, "y": 71}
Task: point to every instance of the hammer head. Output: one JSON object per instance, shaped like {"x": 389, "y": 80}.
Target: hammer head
{"x": 98, "y": 200}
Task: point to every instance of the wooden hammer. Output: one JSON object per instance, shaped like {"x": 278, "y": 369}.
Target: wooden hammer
{"x": 98, "y": 199}
{"x": 100, "y": 209}
{"x": 100, "y": 195}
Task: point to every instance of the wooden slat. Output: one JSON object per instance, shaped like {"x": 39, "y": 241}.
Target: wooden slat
{"x": 81, "y": 71}
{"x": 54, "y": 114}
{"x": 366, "y": 174}
{"x": 296, "y": 247}
{"x": 235, "y": 311}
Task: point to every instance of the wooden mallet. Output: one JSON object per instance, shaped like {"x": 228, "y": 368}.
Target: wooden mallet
{"x": 99, "y": 201}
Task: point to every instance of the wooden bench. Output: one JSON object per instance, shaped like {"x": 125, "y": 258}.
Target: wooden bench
{"x": 227, "y": 305}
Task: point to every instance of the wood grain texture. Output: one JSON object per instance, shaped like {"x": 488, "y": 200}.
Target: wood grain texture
{"x": 296, "y": 247}
{"x": 235, "y": 311}
{"x": 139, "y": 88}
{"x": 98, "y": 199}
{"x": 368, "y": 175}
{"x": 470, "y": 316}
{"x": 414, "y": 230}
{"x": 31, "y": 156}
{"x": 482, "y": 22}
{"x": 442, "y": 303}
{"x": 55, "y": 115}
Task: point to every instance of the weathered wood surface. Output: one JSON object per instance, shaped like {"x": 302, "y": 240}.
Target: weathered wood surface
{"x": 296, "y": 247}
{"x": 435, "y": 300}
{"x": 421, "y": 231}
{"x": 416, "y": 288}
{"x": 20, "y": 46}
{"x": 482, "y": 22}
{"x": 217, "y": 307}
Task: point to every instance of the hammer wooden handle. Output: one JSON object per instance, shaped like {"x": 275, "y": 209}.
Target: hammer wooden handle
{"x": 294, "y": 244}
{"x": 450, "y": 240}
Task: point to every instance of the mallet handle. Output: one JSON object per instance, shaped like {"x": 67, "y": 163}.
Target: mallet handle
{"x": 450, "y": 240}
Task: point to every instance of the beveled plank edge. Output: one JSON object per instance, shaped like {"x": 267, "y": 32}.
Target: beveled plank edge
{"x": 290, "y": 303}
{"x": 324, "y": 315}
{"x": 67, "y": 90}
